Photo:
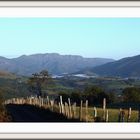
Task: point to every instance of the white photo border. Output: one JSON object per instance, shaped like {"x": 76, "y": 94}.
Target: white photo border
{"x": 66, "y": 130}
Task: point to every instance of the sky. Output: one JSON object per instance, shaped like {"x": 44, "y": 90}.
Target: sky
{"x": 89, "y": 37}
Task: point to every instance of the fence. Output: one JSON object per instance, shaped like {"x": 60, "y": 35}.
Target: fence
{"x": 71, "y": 110}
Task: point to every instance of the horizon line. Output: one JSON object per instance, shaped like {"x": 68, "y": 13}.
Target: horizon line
{"x": 17, "y": 56}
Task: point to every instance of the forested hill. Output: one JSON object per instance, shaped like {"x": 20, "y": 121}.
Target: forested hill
{"x": 53, "y": 62}
{"x": 126, "y": 67}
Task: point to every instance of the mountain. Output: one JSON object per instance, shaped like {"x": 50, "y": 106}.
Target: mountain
{"x": 126, "y": 67}
{"x": 53, "y": 62}
{"x": 4, "y": 74}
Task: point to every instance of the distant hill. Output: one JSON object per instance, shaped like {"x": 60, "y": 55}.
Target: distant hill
{"x": 53, "y": 62}
{"x": 8, "y": 75}
{"x": 126, "y": 67}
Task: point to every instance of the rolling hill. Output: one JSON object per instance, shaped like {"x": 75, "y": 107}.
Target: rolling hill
{"x": 7, "y": 75}
{"x": 126, "y": 67}
{"x": 53, "y": 62}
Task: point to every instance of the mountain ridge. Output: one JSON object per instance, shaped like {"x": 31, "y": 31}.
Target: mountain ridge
{"x": 125, "y": 67}
{"x": 53, "y": 62}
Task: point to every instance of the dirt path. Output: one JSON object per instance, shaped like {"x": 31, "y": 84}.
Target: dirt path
{"x": 27, "y": 113}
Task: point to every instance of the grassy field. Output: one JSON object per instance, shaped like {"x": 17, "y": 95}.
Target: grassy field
{"x": 113, "y": 114}
{"x": 18, "y": 87}
{"x": 74, "y": 112}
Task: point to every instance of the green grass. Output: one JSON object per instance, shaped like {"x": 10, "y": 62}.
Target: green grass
{"x": 113, "y": 114}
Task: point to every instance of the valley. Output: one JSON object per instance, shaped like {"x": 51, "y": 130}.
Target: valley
{"x": 79, "y": 84}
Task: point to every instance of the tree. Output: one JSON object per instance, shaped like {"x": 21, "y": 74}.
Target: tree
{"x": 76, "y": 96}
{"x": 131, "y": 95}
{"x": 112, "y": 98}
{"x": 65, "y": 95}
{"x": 94, "y": 95}
{"x": 37, "y": 80}
{"x": 90, "y": 94}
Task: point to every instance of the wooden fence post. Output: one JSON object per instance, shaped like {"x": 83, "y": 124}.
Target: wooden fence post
{"x": 14, "y": 100}
{"x": 33, "y": 101}
{"x": 66, "y": 110}
{"x": 120, "y": 115}
{"x": 60, "y": 111}
{"x": 40, "y": 102}
{"x": 21, "y": 102}
{"x": 123, "y": 116}
{"x": 17, "y": 101}
{"x": 61, "y": 104}
{"x": 52, "y": 105}
{"x": 104, "y": 109}
{"x": 37, "y": 101}
{"x": 86, "y": 111}
{"x": 94, "y": 112}
{"x": 104, "y": 103}
{"x": 106, "y": 116}
{"x": 70, "y": 111}
{"x": 48, "y": 102}
{"x": 81, "y": 111}
{"x": 74, "y": 110}
{"x": 65, "y": 107}
{"x": 129, "y": 114}
{"x": 30, "y": 101}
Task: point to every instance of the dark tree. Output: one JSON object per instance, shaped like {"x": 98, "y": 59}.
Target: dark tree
{"x": 131, "y": 95}
{"x": 95, "y": 95}
{"x": 37, "y": 80}
{"x": 76, "y": 96}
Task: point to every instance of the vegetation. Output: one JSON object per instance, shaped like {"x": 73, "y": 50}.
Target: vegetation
{"x": 116, "y": 90}
{"x": 93, "y": 94}
{"x": 120, "y": 93}
{"x": 4, "y": 116}
{"x": 126, "y": 67}
{"x": 88, "y": 114}
{"x": 131, "y": 95}
{"x": 36, "y": 82}
{"x": 14, "y": 88}
{"x": 113, "y": 114}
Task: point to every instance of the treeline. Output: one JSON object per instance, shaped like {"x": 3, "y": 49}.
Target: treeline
{"x": 95, "y": 96}
{"x": 131, "y": 95}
